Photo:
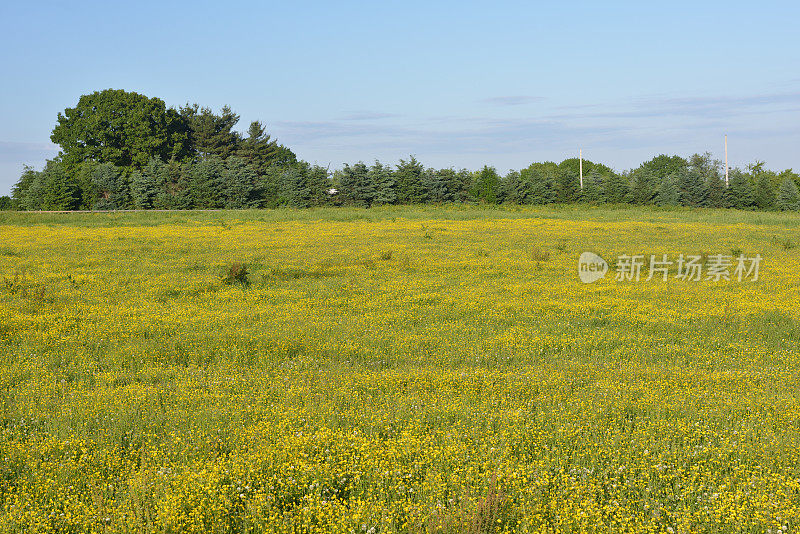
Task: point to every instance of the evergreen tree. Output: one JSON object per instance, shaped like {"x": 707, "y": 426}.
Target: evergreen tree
{"x": 644, "y": 186}
{"x": 296, "y": 189}
{"x": 709, "y": 170}
{"x": 594, "y": 185}
{"x": 283, "y": 157}
{"x": 668, "y": 194}
{"x": 59, "y": 191}
{"x": 435, "y": 186}
{"x": 692, "y": 189}
{"x": 764, "y": 195}
{"x": 258, "y": 149}
{"x": 515, "y": 189}
{"x": 788, "y": 198}
{"x": 568, "y": 183}
{"x": 21, "y": 192}
{"x": 662, "y": 166}
{"x": 540, "y": 184}
{"x": 385, "y": 184}
{"x": 459, "y": 184}
{"x": 616, "y": 189}
{"x": 567, "y": 186}
{"x": 211, "y": 134}
{"x": 122, "y": 150}
{"x": 356, "y": 187}
{"x": 304, "y": 186}
{"x": 206, "y": 184}
{"x": 177, "y": 194}
{"x": 718, "y": 195}
{"x": 269, "y": 187}
{"x": 318, "y": 184}
{"x": 705, "y": 165}
{"x": 410, "y": 189}
{"x": 84, "y": 177}
{"x": 111, "y": 187}
{"x": 788, "y": 173}
{"x": 739, "y": 194}
{"x": 239, "y": 183}
{"x": 148, "y": 183}
{"x": 6, "y": 203}
{"x": 573, "y": 166}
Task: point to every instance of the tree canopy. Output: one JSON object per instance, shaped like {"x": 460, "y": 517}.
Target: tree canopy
{"x": 123, "y": 150}
{"x": 122, "y": 128}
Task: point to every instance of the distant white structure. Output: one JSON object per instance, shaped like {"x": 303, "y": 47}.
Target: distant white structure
{"x": 332, "y": 191}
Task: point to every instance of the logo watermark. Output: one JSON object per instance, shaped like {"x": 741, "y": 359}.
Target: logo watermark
{"x": 689, "y": 268}
{"x": 591, "y": 267}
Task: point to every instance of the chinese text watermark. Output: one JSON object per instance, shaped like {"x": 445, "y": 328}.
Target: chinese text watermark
{"x": 690, "y": 268}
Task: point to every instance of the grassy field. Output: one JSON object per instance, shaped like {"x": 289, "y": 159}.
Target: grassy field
{"x": 395, "y": 370}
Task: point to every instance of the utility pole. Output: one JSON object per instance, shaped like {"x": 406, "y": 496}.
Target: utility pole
{"x": 580, "y": 159}
{"x": 726, "y": 161}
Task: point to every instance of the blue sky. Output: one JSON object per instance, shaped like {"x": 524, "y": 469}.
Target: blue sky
{"x": 454, "y": 83}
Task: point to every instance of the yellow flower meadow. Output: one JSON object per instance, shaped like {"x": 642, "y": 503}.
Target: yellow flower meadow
{"x": 395, "y": 370}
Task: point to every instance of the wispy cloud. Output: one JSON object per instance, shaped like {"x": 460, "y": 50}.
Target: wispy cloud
{"x": 631, "y": 130}
{"x": 619, "y": 124}
{"x": 511, "y": 100}
{"x": 696, "y": 107}
{"x": 306, "y": 131}
{"x": 457, "y": 135}
{"x": 367, "y": 116}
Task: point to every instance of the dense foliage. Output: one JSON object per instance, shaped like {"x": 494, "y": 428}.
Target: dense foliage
{"x": 122, "y": 150}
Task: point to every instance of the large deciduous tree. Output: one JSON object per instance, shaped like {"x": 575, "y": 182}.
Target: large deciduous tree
{"x": 122, "y": 128}
{"x": 486, "y": 185}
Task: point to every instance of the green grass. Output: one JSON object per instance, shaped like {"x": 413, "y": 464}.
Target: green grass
{"x": 443, "y": 212}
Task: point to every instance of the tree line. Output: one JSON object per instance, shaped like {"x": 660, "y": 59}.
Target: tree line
{"x": 122, "y": 150}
